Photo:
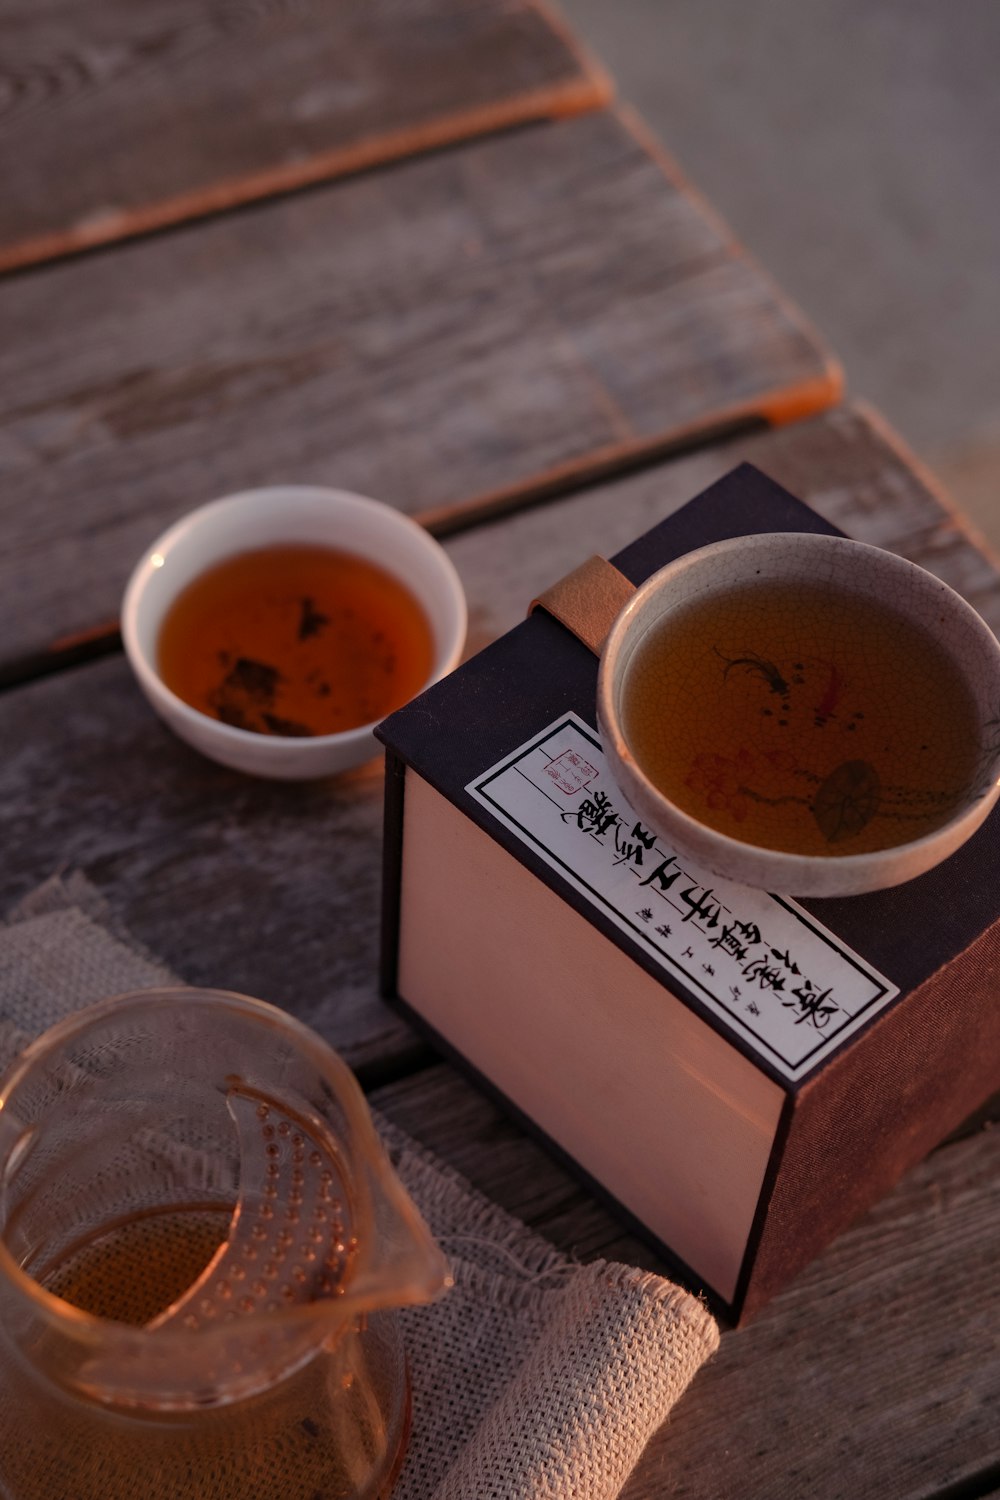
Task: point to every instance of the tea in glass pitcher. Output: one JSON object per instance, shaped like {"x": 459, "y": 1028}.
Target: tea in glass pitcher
{"x": 201, "y": 1247}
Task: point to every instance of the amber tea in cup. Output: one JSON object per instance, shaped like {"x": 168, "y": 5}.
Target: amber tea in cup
{"x": 295, "y": 640}
{"x": 272, "y": 629}
{"x": 801, "y": 717}
{"x": 800, "y": 712}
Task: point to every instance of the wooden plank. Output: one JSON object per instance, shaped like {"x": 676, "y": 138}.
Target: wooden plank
{"x": 847, "y": 464}
{"x": 882, "y": 1358}
{"x": 450, "y": 334}
{"x": 118, "y": 118}
{"x": 881, "y": 1361}
{"x": 195, "y": 858}
{"x": 269, "y": 889}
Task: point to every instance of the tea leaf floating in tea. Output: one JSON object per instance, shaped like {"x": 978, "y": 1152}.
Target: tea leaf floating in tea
{"x": 847, "y": 800}
{"x": 295, "y": 641}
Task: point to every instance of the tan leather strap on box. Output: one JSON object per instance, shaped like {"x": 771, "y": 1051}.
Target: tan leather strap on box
{"x": 588, "y": 600}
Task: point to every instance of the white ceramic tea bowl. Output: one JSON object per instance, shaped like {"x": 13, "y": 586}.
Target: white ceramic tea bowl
{"x": 971, "y": 649}
{"x": 284, "y": 514}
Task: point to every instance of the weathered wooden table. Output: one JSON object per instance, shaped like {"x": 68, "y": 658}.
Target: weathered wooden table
{"x": 539, "y": 341}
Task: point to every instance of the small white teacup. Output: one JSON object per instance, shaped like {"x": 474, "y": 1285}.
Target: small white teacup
{"x": 776, "y": 755}
{"x": 285, "y": 515}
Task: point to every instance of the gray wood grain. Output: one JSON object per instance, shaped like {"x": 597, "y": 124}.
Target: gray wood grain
{"x": 847, "y": 464}
{"x": 117, "y": 118}
{"x": 274, "y": 889}
{"x": 876, "y": 1373}
{"x": 452, "y": 332}
{"x": 269, "y": 889}
{"x": 879, "y": 1370}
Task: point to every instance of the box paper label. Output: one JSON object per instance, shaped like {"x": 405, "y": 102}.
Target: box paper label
{"x": 765, "y": 967}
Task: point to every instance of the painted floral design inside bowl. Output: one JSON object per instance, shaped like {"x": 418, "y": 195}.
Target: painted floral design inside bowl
{"x": 804, "y": 712}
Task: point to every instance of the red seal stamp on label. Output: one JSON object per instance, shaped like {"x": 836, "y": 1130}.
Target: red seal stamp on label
{"x": 570, "y": 771}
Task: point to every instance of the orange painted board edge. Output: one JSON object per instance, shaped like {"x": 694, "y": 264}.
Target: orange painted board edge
{"x": 591, "y": 89}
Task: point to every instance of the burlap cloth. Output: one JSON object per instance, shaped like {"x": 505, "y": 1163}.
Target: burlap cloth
{"x": 535, "y": 1378}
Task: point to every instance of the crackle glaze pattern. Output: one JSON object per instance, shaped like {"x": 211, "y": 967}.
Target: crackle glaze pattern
{"x": 802, "y": 717}
{"x": 804, "y": 712}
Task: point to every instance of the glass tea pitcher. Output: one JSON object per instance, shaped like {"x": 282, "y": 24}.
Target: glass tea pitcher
{"x": 201, "y": 1247}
